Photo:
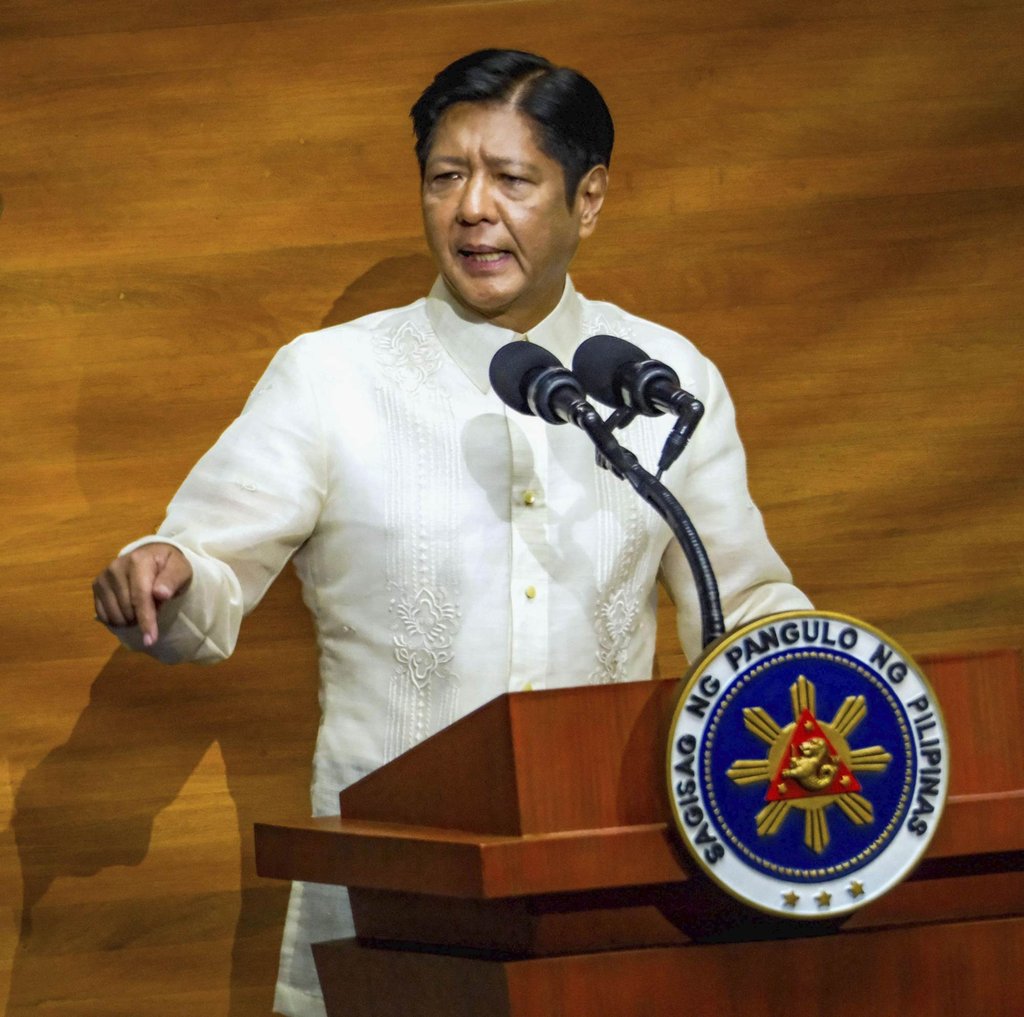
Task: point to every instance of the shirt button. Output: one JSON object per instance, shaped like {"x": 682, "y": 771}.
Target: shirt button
{"x": 529, "y": 497}
{"x": 531, "y": 592}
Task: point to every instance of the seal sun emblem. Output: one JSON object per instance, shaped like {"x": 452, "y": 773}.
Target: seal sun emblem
{"x": 809, "y": 765}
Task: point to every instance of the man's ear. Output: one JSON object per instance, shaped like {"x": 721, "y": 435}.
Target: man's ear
{"x": 590, "y": 197}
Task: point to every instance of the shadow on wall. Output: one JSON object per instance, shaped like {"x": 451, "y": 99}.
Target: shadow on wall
{"x": 91, "y": 803}
{"x": 392, "y": 282}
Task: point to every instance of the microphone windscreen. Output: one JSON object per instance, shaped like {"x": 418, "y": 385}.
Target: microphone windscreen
{"x": 511, "y": 368}
{"x": 598, "y": 360}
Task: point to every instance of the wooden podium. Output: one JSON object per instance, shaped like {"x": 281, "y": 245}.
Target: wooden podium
{"x": 521, "y": 863}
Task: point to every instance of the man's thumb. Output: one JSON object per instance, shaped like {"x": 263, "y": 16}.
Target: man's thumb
{"x": 174, "y": 575}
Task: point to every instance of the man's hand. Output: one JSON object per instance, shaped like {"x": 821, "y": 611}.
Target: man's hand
{"x": 130, "y": 590}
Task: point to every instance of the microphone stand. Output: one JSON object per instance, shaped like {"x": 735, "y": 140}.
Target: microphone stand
{"x": 625, "y": 465}
{"x": 531, "y": 379}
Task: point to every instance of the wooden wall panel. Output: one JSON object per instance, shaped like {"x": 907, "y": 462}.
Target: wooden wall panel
{"x": 828, "y": 198}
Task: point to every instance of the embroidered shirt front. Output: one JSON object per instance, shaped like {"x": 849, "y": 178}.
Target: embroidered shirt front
{"x": 450, "y": 549}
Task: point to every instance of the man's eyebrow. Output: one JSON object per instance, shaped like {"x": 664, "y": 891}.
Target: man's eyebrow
{"x": 447, "y": 160}
{"x": 494, "y": 162}
{"x": 498, "y": 162}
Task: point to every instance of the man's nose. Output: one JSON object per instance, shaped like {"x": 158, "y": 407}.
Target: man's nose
{"x": 476, "y": 203}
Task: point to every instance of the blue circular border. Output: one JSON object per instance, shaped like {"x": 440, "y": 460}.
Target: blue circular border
{"x": 892, "y": 824}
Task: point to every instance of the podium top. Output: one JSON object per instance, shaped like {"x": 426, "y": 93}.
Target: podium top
{"x": 560, "y": 791}
{"x": 582, "y": 758}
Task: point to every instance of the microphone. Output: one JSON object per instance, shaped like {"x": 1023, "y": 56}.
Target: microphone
{"x": 532, "y": 380}
{"x": 619, "y": 374}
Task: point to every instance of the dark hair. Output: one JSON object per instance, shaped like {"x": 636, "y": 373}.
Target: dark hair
{"x": 574, "y": 126}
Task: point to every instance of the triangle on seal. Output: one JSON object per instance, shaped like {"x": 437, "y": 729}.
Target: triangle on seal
{"x": 810, "y": 767}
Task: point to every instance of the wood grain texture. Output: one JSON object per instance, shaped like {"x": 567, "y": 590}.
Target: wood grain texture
{"x": 511, "y": 887}
{"x": 827, "y": 198}
{"x": 894, "y": 973}
{"x": 516, "y": 777}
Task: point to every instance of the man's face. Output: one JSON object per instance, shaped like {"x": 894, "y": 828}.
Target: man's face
{"x": 495, "y": 214}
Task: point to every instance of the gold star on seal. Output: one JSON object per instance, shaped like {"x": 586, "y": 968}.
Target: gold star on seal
{"x": 856, "y": 889}
{"x": 791, "y": 899}
{"x": 824, "y": 899}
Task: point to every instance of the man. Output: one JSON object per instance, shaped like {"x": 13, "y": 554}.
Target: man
{"x": 449, "y": 549}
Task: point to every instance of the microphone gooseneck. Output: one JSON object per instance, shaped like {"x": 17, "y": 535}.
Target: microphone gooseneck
{"x": 531, "y": 380}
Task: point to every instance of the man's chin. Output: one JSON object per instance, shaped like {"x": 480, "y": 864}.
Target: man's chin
{"x": 489, "y": 305}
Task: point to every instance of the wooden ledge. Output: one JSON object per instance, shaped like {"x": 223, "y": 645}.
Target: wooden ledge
{"x": 387, "y": 856}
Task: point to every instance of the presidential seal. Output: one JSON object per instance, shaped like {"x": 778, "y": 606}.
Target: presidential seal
{"x": 807, "y": 764}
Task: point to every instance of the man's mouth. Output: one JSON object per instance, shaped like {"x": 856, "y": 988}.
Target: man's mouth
{"x": 482, "y": 255}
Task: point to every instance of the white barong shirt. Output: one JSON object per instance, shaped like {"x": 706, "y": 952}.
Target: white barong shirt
{"x": 450, "y": 549}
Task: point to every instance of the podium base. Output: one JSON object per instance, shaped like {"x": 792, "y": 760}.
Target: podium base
{"x": 945, "y": 970}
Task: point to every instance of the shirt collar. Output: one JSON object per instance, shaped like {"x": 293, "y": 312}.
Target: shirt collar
{"x": 472, "y": 341}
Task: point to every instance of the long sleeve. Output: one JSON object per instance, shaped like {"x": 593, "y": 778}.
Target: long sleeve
{"x": 244, "y": 509}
